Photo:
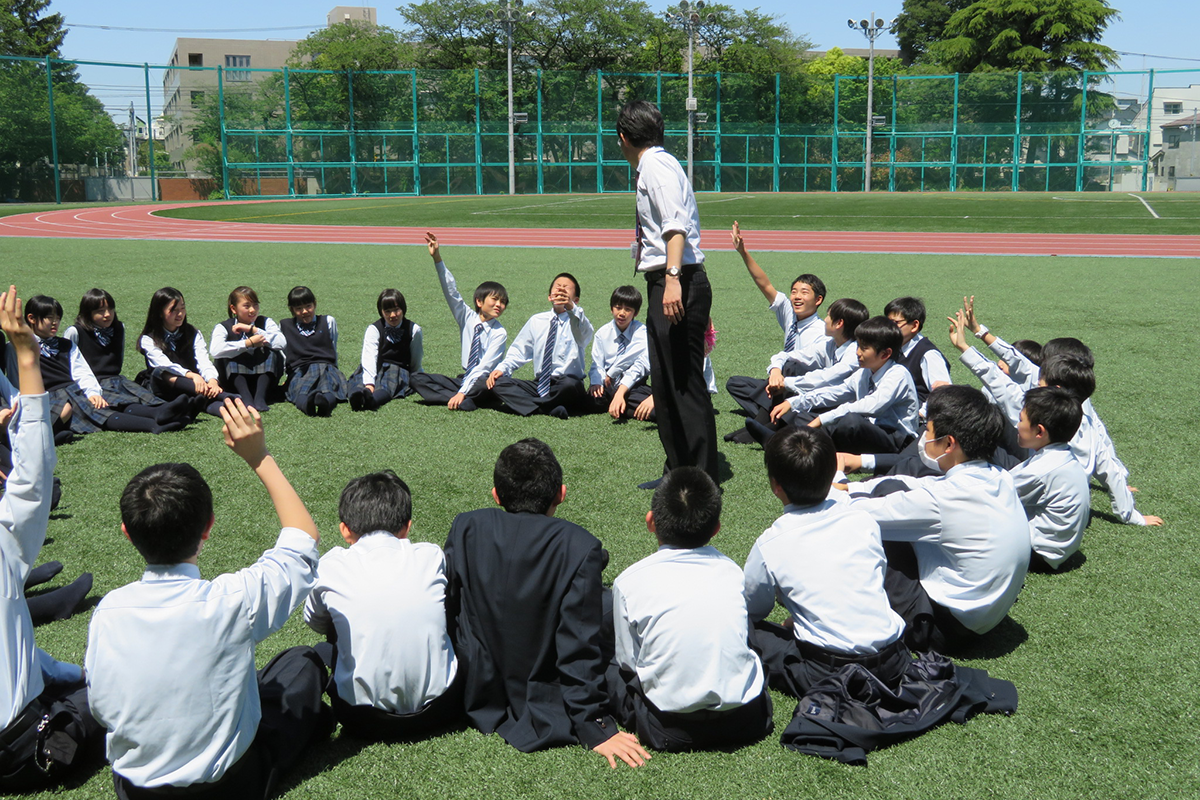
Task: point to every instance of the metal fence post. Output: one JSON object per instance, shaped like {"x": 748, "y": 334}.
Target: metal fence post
{"x": 540, "y": 175}
{"x": 599, "y": 132}
{"x": 954, "y": 141}
{"x": 478, "y": 144}
{"x": 353, "y": 137}
{"x": 291, "y": 145}
{"x": 224, "y": 137}
{"x": 150, "y": 136}
{"x": 833, "y": 175}
{"x": 1149, "y": 118}
{"x": 1017, "y": 135}
{"x": 53, "y": 132}
{"x": 1079, "y": 148}
{"x": 416, "y": 139}
{"x": 775, "y": 171}
{"x": 717, "y": 144}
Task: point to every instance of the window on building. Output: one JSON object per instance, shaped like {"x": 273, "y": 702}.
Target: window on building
{"x": 1173, "y": 140}
{"x": 195, "y": 59}
{"x": 197, "y": 98}
{"x": 232, "y": 64}
{"x": 1172, "y": 108}
{"x": 1170, "y": 172}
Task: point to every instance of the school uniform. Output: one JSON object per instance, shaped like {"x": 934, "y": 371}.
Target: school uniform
{"x": 843, "y": 365}
{"x": 825, "y": 564}
{"x": 806, "y": 348}
{"x": 69, "y": 379}
{"x": 104, "y": 351}
{"x": 1054, "y": 491}
{"x": 233, "y": 353}
{"x": 962, "y": 545}
{"x": 382, "y": 602}
{"x": 622, "y": 358}
{"x": 171, "y": 675}
{"x": 482, "y": 348}
{"x": 684, "y": 676}
{"x": 555, "y": 343}
{"x": 524, "y": 604}
{"x": 32, "y": 683}
{"x": 390, "y": 354}
{"x": 311, "y": 359}
{"x": 181, "y": 352}
{"x": 921, "y": 357}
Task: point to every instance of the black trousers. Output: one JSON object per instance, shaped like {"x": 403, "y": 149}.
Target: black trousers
{"x": 928, "y": 625}
{"x": 521, "y": 396}
{"x": 686, "y": 425}
{"x": 750, "y": 394}
{"x": 71, "y": 733}
{"x": 793, "y": 667}
{"x": 855, "y": 433}
{"x": 438, "y": 389}
{"x": 633, "y": 398}
{"x": 696, "y": 730}
{"x": 290, "y": 687}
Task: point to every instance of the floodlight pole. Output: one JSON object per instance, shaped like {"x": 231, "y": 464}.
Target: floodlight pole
{"x": 689, "y": 16}
{"x": 508, "y": 16}
{"x": 871, "y": 29}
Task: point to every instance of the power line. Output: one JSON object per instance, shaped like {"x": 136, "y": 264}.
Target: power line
{"x": 195, "y": 30}
{"x": 1148, "y": 55}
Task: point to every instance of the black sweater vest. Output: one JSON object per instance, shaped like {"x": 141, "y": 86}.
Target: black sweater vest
{"x": 398, "y": 352}
{"x": 184, "y": 353}
{"x": 304, "y": 350}
{"x": 252, "y": 356}
{"x": 912, "y": 362}
{"x": 56, "y": 370}
{"x": 104, "y": 361}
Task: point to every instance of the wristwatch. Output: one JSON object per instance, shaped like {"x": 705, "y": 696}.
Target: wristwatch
{"x": 674, "y": 272}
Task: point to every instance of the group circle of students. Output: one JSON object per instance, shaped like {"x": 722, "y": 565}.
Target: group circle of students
{"x": 508, "y": 628}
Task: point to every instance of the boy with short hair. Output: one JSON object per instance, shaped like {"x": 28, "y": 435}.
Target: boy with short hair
{"x": 483, "y": 339}
{"x": 620, "y": 360}
{"x": 957, "y": 544}
{"x": 872, "y": 411}
{"x": 918, "y": 354}
{"x": 673, "y": 613}
{"x": 382, "y": 604}
{"x": 841, "y": 325}
{"x": 170, "y": 659}
{"x": 524, "y": 605}
{"x": 823, "y": 560}
{"x": 554, "y": 341}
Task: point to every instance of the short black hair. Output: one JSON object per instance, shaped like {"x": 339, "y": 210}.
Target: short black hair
{"x": 641, "y": 123}
{"x": 850, "y": 313}
{"x": 391, "y": 298}
{"x": 92, "y": 301}
{"x": 301, "y": 296}
{"x": 818, "y": 285}
{"x": 527, "y": 477}
{"x": 1069, "y": 346}
{"x": 488, "y": 288}
{"x": 569, "y": 277}
{"x": 687, "y": 508}
{"x": 41, "y": 307}
{"x": 1030, "y": 349}
{"x": 380, "y": 501}
{"x": 803, "y": 462}
{"x": 626, "y": 296}
{"x": 912, "y": 309}
{"x": 165, "y": 509}
{"x": 966, "y": 414}
{"x": 1070, "y": 373}
{"x": 1056, "y": 409}
{"x": 879, "y": 333}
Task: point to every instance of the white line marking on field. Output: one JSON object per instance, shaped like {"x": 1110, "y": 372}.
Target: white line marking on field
{"x": 1147, "y": 205}
{"x": 536, "y": 205}
{"x": 724, "y": 200}
{"x": 1085, "y": 199}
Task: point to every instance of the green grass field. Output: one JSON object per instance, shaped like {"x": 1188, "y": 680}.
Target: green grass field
{"x": 1102, "y": 655}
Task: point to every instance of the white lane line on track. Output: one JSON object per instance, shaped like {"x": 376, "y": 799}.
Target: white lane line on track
{"x": 1147, "y": 205}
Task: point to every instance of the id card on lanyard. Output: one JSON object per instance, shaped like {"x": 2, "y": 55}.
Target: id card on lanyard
{"x": 635, "y": 249}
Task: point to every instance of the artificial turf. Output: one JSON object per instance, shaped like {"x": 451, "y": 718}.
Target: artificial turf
{"x": 1101, "y": 654}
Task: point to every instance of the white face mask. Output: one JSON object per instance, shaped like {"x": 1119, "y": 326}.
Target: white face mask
{"x": 932, "y": 463}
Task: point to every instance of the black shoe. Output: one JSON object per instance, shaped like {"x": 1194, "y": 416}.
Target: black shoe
{"x": 358, "y": 401}
{"x": 559, "y": 412}
{"x": 55, "y": 493}
{"x": 760, "y": 433}
{"x": 741, "y": 435}
{"x": 323, "y": 404}
{"x": 650, "y": 485}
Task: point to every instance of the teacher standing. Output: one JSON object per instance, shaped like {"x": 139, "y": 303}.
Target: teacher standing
{"x": 667, "y": 252}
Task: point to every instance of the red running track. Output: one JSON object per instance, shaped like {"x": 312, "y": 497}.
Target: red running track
{"x": 140, "y": 222}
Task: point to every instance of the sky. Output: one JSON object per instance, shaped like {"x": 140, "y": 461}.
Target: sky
{"x": 1157, "y": 34}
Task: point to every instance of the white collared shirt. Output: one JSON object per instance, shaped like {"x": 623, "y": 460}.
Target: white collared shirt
{"x": 824, "y": 563}
{"x": 628, "y": 369}
{"x": 370, "y": 351}
{"x": 845, "y": 362}
{"x": 680, "y": 623}
{"x": 170, "y": 662}
{"x": 157, "y": 359}
{"x": 665, "y": 203}
{"x": 570, "y": 342}
{"x": 1054, "y": 490}
{"x": 385, "y": 598}
{"x": 811, "y": 350}
{"x": 230, "y": 345}
{"x": 934, "y": 368}
{"x": 492, "y": 341}
{"x": 887, "y": 396}
{"x": 81, "y": 370}
{"x": 969, "y": 532}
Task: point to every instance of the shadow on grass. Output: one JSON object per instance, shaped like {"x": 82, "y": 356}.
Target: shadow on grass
{"x": 1039, "y": 567}
{"x": 999, "y": 641}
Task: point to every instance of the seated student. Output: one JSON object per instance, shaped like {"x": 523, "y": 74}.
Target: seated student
{"x": 382, "y": 603}
{"x": 620, "y": 359}
{"x": 645, "y": 409}
{"x": 555, "y": 342}
{"x": 823, "y": 561}
{"x": 483, "y": 339}
{"x": 957, "y": 544}
{"x": 393, "y": 348}
{"x": 35, "y": 690}
{"x": 806, "y": 344}
{"x": 315, "y": 385}
{"x": 918, "y": 355}
{"x": 177, "y": 360}
{"x": 170, "y": 659}
{"x": 872, "y": 411}
{"x": 841, "y": 325}
{"x": 248, "y": 349}
{"x": 672, "y": 612}
{"x": 524, "y": 604}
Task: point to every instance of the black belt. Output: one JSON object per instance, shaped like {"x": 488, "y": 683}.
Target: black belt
{"x": 832, "y": 658}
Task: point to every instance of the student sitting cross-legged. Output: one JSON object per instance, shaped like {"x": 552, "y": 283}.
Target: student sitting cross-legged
{"x": 684, "y": 676}
{"x": 170, "y": 659}
{"x": 620, "y": 360}
{"x": 382, "y": 604}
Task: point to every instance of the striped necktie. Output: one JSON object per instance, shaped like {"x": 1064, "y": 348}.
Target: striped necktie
{"x": 543, "y": 384}
{"x": 622, "y": 343}
{"x": 476, "y": 348}
{"x": 793, "y": 333}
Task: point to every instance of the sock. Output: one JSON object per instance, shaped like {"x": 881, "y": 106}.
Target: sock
{"x": 326, "y": 402}
{"x": 308, "y": 404}
{"x": 379, "y": 397}
{"x": 130, "y": 423}
{"x": 261, "y": 384}
{"x": 241, "y": 385}
{"x": 59, "y": 603}
{"x": 39, "y": 575}
{"x": 214, "y": 407}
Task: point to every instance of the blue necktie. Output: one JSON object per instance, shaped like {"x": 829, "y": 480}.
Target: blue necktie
{"x": 622, "y": 343}
{"x": 790, "y": 343}
{"x": 543, "y": 384}
{"x": 476, "y": 348}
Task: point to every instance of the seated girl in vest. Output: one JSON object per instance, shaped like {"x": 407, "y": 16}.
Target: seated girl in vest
{"x": 392, "y": 349}
{"x": 315, "y": 384}
{"x": 248, "y": 349}
{"x": 177, "y": 360}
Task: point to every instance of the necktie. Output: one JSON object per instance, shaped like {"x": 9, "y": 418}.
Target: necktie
{"x": 637, "y": 222}
{"x": 792, "y": 333}
{"x": 49, "y": 348}
{"x": 171, "y": 338}
{"x": 543, "y": 384}
{"x": 307, "y": 330}
{"x": 103, "y": 336}
{"x": 622, "y": 343}
{"x": 476, "y": 348}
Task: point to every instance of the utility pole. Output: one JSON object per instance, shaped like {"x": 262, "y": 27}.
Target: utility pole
{"x": 508, "y": 16}
{"x": 689, "y": 15}
{"x": 871, "y": 28}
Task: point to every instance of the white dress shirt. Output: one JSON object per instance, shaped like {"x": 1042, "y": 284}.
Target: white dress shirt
{"x": 811, "y": 350}
{"x": 24, "y": 514}
{"x": 170, "y": 662}
{"x": 627, "y": 369}
{"x": 1054, "y": 490}
{"x": 370, "y": 352}
{"x": 570, "y": 342}
{"x": 385, "y": 598}
{"x": 494, "y": 336}
{"x": 680, "y": 624}
{"x": 845, "y": 362}
{"x": 230, "y": 345}
{"x": 969, "y": 532}
{"x": 824, "y": 563}
{"x": 887, "y": 396}
{"x": 157, "y": 359}
{"x": 665, "y": 204}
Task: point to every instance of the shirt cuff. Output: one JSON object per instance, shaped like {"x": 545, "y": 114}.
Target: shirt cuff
{"x": 596, "y": 732}
{"x": 298, "y": 540}
{"x": 31, "y": 408}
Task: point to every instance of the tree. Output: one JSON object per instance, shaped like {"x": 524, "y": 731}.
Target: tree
{"x": 24, "y": 33}
{"x": 1026, "y": 35}
{"x": 353, "y": 45}
{"x": 921, "y": 23}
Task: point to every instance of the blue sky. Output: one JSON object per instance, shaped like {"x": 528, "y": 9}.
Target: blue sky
{"x": 1153, "y": 27}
